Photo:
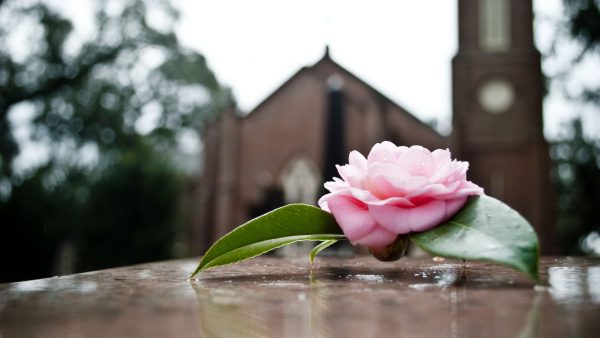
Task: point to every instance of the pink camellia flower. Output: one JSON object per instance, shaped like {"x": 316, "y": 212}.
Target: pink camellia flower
{"x": 395, "y": 191}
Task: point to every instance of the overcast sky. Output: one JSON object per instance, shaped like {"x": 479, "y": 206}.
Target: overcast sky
{"x": 402, "y": 48}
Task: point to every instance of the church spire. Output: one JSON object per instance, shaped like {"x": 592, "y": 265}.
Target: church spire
{"x": 326, "y": 54}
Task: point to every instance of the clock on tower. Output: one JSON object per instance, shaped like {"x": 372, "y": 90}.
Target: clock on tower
{"x": 497, "y": 104}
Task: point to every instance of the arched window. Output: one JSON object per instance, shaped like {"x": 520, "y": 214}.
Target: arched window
{"x": 300, "y": 181}
{"x": 494, "y": 25}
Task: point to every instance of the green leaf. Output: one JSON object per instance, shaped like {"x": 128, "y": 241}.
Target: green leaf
{"x": 283, "y": 226}
{"x": 322, "y": 246}
{"x": 488, "y": 230}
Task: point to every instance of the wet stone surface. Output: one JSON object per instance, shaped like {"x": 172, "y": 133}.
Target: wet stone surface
{"x": 338, "y": 297}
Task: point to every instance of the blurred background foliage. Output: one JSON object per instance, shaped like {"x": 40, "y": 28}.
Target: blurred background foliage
{"x": 577, "y": 155}
{"x": 113, "y": 114}
{"x": 577, "y": 160}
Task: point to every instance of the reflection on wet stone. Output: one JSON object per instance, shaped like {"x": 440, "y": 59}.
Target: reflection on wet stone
{"x": 365, "y": 300}
{"x": 339, "y": 297}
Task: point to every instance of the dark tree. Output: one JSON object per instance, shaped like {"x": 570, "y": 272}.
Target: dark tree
{"x": 577, "y": 156}
{"x": 108, "y": 110}
{"x": 583, "y": 25}
{"x": 584, "y": 21}
{"x": 577, "y": 160}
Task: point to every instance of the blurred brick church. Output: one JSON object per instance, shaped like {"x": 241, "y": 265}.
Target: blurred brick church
{"x": 285, "y": 148}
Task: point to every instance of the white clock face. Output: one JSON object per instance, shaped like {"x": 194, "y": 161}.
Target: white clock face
{"x": 496, "y": 96}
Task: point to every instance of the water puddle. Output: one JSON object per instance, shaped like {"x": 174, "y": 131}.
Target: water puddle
{"x": 574, "y": 284}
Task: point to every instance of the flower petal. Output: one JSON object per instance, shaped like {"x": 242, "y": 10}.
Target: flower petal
{"x": 336, "y": 186}
{"x": 357, "y": 160}
{"x": 417, "y": 161}
{"x": 441, "y": 157}
{"x": 363, "y": 195}
{"x": 377, "y": 238}
{"x": 380, "y": 187}
{"x": 399, "y": 182}
{"x": 401, "y": 220}
{"x": 397, "y": 201}
{"x": 352, "y": 216}
{"x": 450, "y": 172}
{"x": 368, "y": 198}
{"x": 437, "y": 191}
{"x": 453, "y": 206}
{"x": 382, "y": 152}
{"x": 388, "y": 170}
{"x": 351, "y": 174}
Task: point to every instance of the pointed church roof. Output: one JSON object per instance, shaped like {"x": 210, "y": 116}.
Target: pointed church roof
{"x": 326, "y": 58}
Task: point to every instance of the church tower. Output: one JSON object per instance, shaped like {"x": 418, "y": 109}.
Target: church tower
{"x": 497, "y": 105}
